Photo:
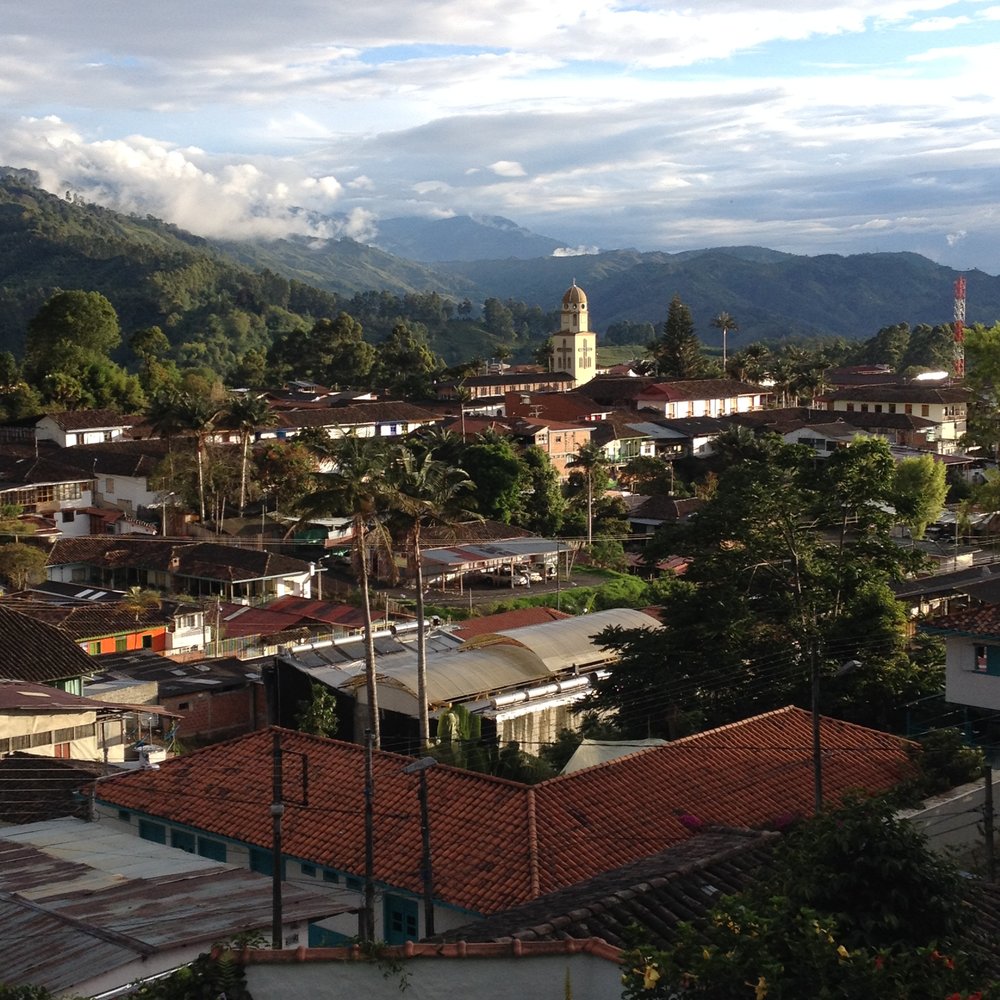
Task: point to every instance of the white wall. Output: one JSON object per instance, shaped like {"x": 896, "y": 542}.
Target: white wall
{"x": 549, "y": 977}
{"x": 964, "y": 685}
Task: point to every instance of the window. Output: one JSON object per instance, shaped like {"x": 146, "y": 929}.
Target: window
{"x": 62, "y": 751}
{"x": 68, "y": 516}
{"x": 156, "y": 832}
{"x": 986, "y": 660}
{"x": 147, "y": 642}
{"x": 212, "y": 849}
{"x": 330, "y": 876}
{"x": 892, "y": 407}
{"x": 109, "y": 486}
{"x": 94, "y": 648}
{"x": 878, "y": 407}
{"x": 401, "y": 919}
{"x": 908, "y": 409}
{"x": 121, "y": 644}
{"x": 850, "y": 407}
{"x": 124, "y": 815}
{"x": 183, "y": 840}
{"x": 925, "y": 409}
{"x": 864, "y": 407}
{"x": 261, "y": 861}
{"x": 308, "y": 870}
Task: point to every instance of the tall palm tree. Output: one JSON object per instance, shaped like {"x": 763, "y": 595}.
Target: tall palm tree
{"x": 725, "y": 323}
{"x": 248, "y": 412}
{"x": 187, "y": 413}
{"x": 590, "y": 458}
{"x": 426, "y": 492}
{"x": 356, "y": 488}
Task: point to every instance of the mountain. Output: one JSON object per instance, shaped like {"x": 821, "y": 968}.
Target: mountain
{"x": 463, "y": 237}
{"x": 216, "y": 300}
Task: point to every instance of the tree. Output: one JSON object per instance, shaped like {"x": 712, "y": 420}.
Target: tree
{"x": 590, "y": 460}
{"x": 726, "y": 324}
{"x": 85, "y": 321}
{"x": 356, "y": 488}
{"x": 184, "y": 412}
{"x": 426, "y": 492}
{"x": 544, "y": 506}
{"x": 405, "y": 363}
{"x": 138, "y": 601}
{"x": 855, "y": 905}
{"x": 21, "y": 565}
{"x": 498, "y": 472}
{"x": 318, "y": 714}
{"x": 248, "y": 412}
{"x": 791, "y": 561}
{"x": 920, "y": 490}
{"x": 677, "y": 352}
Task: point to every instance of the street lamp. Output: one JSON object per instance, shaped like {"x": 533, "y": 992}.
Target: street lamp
{"x": 420, "y": 768}
{"x": 817, "y": 750}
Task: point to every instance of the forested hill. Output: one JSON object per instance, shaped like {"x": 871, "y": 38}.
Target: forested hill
{"x": 773, "y": 295}
{"x": 216, "y": 301}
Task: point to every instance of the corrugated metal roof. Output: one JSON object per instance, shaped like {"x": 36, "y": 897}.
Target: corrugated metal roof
{"x": 78, "y": 900}
{"x": 560, "y": 645}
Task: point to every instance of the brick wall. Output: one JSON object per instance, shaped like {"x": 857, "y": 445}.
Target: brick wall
{"x": 219, "y": 714}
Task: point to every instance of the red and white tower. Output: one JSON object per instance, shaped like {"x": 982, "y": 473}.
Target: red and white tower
{"x": 960, "y": 327}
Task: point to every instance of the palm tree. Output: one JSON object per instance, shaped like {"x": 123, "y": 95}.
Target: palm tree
{"x": 185, "y": 412}
{"x": 590, "y": 458}
{"x": 725, "y": 323}
{"x": 248, "y": 412}
{"x": 137, "y": 600}
{"x": 427, "y": 492}
{"x": 356, "y": 487}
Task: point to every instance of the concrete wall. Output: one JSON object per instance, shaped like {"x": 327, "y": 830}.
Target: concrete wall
{"x": 548, "y": 977}
{"x": 955, "y": 819}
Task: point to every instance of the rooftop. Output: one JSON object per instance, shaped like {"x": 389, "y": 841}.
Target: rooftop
{"x": 32, "y": 650}
{"x": 499, "y": 843}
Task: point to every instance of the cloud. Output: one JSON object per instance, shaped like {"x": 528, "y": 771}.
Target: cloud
{"x": 507, "y": 168}
{"x": 574, "y": 251}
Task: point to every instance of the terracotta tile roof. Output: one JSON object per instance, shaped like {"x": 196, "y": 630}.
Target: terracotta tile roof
{"x": 118, "y": 458}
{"x": 655, "y": 894}
{"x": 498, "y": 843}
{"x": 90, "y": 621}
{"x": 205, "y": 560}
{"x": 978, "y": 621}
{"x": 354, "y": 414}
{"x": 914, "y": 392}
{"x": 703, "y": 388}
{"x": 506, "y": 620}
{"x": 32, "y": 650}
{"x": 80, "y": 420}
{"x": 313, "y": 610}
{"x": 35, "y": 788}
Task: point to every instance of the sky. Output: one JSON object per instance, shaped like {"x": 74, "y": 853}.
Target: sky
{"x": 812, "y": 127}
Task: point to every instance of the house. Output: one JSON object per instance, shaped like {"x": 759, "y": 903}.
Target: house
{"x": 972, "y": 655}
{"x": 571, "y": 406}
{"x": 496, "y": 843}
{"x": 35, "y": 651}
{"x": 44, "y": 485}
{"x": 124, "y": 472}
{"x": 75, "y": 427}
{"x": 389, "y": 419}
{"x": 824, "y": 439}
{"x": 48, "y": 721}
{"x": 653, "y": 895}
{"x": 946, "y": 406}
{"x": 486, "y": 394}
{"x": 88, "y": 911}
{"x": 199, "y": 569}
{"x": 560, "y": 441}
{"x": 710, "y": 397}
{"x": 211, "y": 699}
{"x": 645, "y": 514}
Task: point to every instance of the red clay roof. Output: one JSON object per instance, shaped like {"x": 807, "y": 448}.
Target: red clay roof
{"x": 498, "y": 843}
{"x": 977, "y": 621}
{"x": 506, "y": 620}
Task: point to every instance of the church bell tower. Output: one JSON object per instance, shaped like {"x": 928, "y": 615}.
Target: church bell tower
{"x": 574, "y": 346}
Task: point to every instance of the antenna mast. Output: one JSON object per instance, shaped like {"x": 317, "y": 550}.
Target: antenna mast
{"x": 960, "y": 327}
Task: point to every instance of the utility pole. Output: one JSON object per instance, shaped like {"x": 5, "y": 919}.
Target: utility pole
{"x": 368, "y": 913}
{"x": 421, "y": 767}
{"x": 817, "y": 749}
{"x": 988, "y": 822}
{"x": 277, "y": 811}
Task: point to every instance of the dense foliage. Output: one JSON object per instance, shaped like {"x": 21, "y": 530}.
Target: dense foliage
{"x": 856, "y": 905}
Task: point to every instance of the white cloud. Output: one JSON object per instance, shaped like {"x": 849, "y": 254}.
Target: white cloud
{"x": 507, "y": 168}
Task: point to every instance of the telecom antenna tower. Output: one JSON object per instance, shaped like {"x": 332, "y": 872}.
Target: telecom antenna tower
{"x": 960, "y": 327}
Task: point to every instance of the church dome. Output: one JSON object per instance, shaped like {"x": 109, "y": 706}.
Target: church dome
{"x": 575, "y": 297}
